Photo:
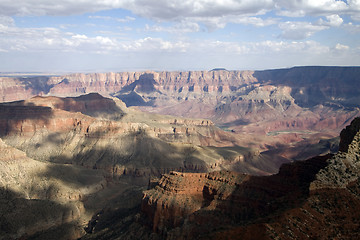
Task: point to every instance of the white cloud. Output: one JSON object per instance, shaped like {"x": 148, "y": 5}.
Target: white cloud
{"x": 108, "y": 18}
{"x": 300, "y": 8}
{"x": 352, "y": 28}
{"x": 296, "y": 47}
{"x": 159, "y": 9}
{"x": 256, "y": 21}
{"x": 13, "y": 38}
{"x": 220, "y": 48}
{"x": 181, "y": 17}
{"x": 213, "y": 13}
{"x": 178, "y": 28}
{"x": 6, "y": 21}
{"x": 341, "y": 47}
{"x": 299, "y": 30}
{"x": 213, "y": 23}
{"x": 55, "y": 7}
{"x": 51, "y": 39}
{"x": 332, "y": 21}
{"x": 180, "y": 9}
{"x": 149, "y": 44}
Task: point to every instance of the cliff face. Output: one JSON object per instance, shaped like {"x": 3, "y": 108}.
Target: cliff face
{"x": 317, "y": 98}
{"x": 316, "y": 198}
{"x": 291, "y": 109}
{"x": 79, "y": 83}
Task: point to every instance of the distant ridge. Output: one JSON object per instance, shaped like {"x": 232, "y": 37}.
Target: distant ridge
{"x": 293, "y": 104}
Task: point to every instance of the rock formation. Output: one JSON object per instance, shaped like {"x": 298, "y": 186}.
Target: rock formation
{"x": 101, "y": 133}
{"x": 257, "y": 105}
{"x": 317, "y": 198}
{"x": 318, "y": 98}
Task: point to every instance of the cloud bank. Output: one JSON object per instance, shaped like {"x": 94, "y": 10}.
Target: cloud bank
{"x": 209, "y": 30}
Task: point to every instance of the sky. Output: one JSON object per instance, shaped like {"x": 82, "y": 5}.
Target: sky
{"x": 135, "y": 35}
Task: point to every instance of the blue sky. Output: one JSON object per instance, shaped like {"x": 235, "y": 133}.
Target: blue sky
{"x": 133, "y": 35}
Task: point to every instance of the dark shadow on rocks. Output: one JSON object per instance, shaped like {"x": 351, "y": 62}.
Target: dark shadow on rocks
{"x": 37, "y": 84}
{"x": 315, "y": 85}
{"x": 259, "y": 199}
{"x": 141, "y": 92}
{"x": 347, "y": 135}
{"x": 238, "y": 122}
{"x": 92, "y": 104}
{"x": 145, "y": 84}
{"x": 11, "y": 114}
{"x": 134, "y": 99}
{"x": 129, "y": 204}
{"x": 135, "y": 154}
{"x": 253, "y": 200}
{"x": 22, "y": 217}
{"x": 75, "y": 177}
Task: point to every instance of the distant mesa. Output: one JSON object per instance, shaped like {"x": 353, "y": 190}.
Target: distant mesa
{"x": 218, "y": 69}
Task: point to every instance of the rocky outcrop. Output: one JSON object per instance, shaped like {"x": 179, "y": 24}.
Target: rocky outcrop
{"x": 343, "y": 169}
{"x": 178, "y": 195}
{"x": 347, "y": 135}
{"x": 316, "y": 198}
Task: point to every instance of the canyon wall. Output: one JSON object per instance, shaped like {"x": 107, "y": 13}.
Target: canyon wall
{"x": 316, "y": 198}
{"x": 318, "y": 98}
